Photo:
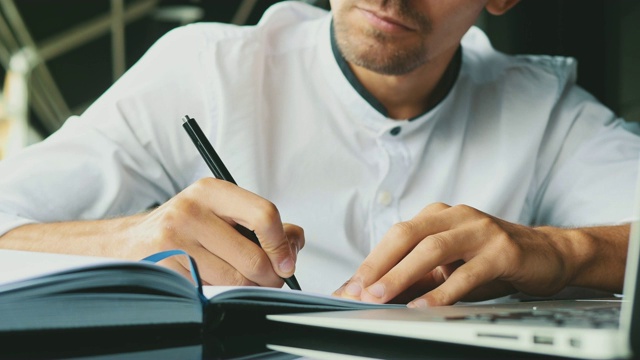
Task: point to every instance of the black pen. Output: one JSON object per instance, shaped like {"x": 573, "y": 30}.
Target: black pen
{"x": 220, "y": 171}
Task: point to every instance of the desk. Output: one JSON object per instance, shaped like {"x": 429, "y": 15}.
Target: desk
{"x": 189, "y": 343}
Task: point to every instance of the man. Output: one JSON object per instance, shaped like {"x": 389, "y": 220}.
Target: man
{"x": 358, "y": 127}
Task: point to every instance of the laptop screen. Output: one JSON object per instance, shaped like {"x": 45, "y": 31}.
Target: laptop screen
{"x": 630, "y": 316}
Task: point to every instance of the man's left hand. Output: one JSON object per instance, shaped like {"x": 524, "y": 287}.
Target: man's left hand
{"x": 451, "y": 253}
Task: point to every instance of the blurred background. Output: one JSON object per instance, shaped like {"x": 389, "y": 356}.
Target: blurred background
{"x": 58, "y": 56}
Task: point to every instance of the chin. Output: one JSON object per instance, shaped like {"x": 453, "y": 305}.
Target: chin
{"x": 380, "y": 52}
{"x": 387, "y": 60}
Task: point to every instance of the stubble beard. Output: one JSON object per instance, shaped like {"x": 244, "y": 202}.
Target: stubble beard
{"x": 379, "y": 52}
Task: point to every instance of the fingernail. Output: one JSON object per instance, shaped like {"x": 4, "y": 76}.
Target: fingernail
{"x": 419, "y": 303}
{"x": 376, "y": 290}
{"x": 353, "y": 289}
{"x": 286, "y": 265}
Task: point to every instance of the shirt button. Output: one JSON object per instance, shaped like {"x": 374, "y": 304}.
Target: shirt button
{"x": 385, "y": 198}
{"x": 395, "y": 131}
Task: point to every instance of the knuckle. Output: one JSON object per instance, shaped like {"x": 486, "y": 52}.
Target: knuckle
{"x": 487, "y": 223}
{"x": 503, "y": 241}
{"x": 189, "y": 207}
{"x": 208, "y": 185}
{"x": 438, "y": 206}
{"x": 283, "y": 247}
{"x": 496, "y": 232}
{"x": 200, "y": 185}
{"x": 403, "y": 230}
{"x": 465, "y": 210}
{"x": 431, "y": 209}
{"x": 181, "y": 207}
{"x": 266, "y": 212}
{"x": 433, "y": 244}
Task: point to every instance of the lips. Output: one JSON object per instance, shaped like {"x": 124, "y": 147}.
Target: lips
{"x": 387, "y": 21}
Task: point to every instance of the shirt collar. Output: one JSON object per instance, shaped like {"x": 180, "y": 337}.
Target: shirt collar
{"x": 452, "y": 73}
{"x": 351, "y": 77}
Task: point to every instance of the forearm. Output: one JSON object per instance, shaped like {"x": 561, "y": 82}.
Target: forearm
{"x": 595, "y": 256}
{"x": 109, "y": 238}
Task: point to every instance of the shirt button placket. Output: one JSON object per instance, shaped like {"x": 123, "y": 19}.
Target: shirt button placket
{"x": 385, "y": 212}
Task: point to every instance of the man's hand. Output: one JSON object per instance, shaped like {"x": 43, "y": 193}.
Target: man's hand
{"x": 446, "y": 254}
{"x": 199, "y": 220}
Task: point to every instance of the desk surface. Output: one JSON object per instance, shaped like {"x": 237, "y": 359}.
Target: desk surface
{"x": 188, "y": 343}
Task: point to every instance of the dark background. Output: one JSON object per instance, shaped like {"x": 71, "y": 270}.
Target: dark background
{"x": 601, "y": 34}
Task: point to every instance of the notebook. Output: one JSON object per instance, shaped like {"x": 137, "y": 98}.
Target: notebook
{"x": 43, "y": 292}
{"x": 586, "y": 328}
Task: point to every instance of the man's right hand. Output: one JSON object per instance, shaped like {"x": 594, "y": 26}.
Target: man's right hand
{"x": 199, "y": 220}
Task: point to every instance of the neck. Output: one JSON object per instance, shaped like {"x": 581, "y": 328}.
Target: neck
{"x": 410, "y": 95}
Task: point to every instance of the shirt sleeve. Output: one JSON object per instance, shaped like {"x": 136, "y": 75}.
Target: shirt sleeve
{"x": 127, "y": 152}
{"x": 593, "y": 177}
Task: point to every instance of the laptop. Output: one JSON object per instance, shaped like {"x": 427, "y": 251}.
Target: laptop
{"x": 585, "y": 328}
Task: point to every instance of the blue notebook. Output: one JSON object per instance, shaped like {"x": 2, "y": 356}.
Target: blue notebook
{"x": 43, "y": 291}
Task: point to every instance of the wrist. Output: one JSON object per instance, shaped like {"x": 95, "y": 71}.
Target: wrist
{"x": 577, "y": 252}
{"x": 594, "y": 257}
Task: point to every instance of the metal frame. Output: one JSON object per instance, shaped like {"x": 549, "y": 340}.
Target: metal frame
{"x": 46, "y": 99}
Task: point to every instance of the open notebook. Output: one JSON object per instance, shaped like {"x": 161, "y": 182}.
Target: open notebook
{"x": 42, "y": 291}
{"x": 587, "y": 328}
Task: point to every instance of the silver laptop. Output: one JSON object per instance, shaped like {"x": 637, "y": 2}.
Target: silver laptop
{"x": 589, "y": 328}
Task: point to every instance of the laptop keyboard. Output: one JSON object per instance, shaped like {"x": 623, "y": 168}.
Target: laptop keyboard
{"x": 600, "y": 317}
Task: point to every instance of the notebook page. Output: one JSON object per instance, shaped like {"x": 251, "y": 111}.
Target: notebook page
{"x": 212, "y": 291}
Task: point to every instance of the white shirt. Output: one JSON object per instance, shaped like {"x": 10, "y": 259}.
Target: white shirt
{"x": 515, "y": 137}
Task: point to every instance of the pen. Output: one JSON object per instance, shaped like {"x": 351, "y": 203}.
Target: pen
{"x": 220, "y": 171}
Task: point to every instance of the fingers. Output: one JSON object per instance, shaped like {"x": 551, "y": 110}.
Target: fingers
{"x": 427, "y": 255}
{"x": 462, "y": 281}
{"x": 201, "y": 221}
{"x": 238, "y": 206}
{"x": 295, "y": 234}
{"x": 396, "y": 244}
{"x": 225, "y": 256}
{"x": 448, "y": 253}
{"x": 215, "y": 273}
